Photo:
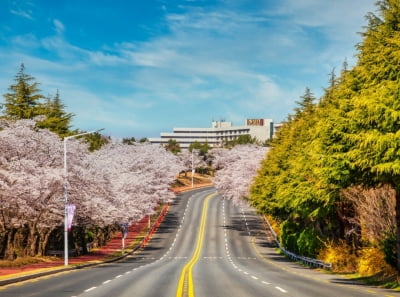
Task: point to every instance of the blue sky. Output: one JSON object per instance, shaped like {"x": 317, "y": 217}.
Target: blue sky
{"x": 141, "y": 67}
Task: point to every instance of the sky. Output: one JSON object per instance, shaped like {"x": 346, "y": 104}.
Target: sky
{"x": 141, "y": 67}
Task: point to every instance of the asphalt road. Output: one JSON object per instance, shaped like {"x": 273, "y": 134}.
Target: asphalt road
{"x": 205, "y": 247}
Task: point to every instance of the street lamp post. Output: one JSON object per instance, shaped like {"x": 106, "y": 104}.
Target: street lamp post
{"x": 192, "y": 169}
{"x": 66, "y": 194}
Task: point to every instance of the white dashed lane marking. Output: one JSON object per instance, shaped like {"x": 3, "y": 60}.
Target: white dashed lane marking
{"x": 243, "y": 258}
{"x": 280, "y": 289}
{"x": 136, "y": 268}
{"x": 90, "y": 289}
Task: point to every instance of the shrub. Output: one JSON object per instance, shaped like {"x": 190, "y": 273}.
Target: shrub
{"x": 389, "y": 249}
{"x": 274, "y": 224}
{"x": 372, "y": 261}
{"x": 288, "y": 236}
{"x": 341, "y": 255}
{"x": 308, "y": 243}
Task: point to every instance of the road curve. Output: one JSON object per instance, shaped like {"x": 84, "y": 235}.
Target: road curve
{"x": 228, "y": 256}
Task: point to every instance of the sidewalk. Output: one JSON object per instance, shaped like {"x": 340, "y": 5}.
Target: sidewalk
{"x": 188, "y": 188}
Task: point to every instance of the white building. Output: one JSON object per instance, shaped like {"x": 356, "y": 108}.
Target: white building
{"x": 220, "y": 132}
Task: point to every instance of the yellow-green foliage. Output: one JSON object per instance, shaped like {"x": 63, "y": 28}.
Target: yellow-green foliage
{"x": 367, "y": 262}
{"x": 274, "y": 225}
{"x": 341, "y": 256}
{"x": 350, "y": 137}
{"x": 372, "y": 262}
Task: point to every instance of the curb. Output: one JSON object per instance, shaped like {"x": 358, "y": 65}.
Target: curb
{"x": 32, "y": 276}
{"x": 55, "y": 270}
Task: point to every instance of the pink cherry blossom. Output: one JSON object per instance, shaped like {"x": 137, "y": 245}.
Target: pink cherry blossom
{"x": 236, "y": 169}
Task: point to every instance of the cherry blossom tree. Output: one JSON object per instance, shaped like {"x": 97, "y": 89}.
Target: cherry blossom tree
{"x": 236, "y": 168}
{"x": 139, "y": 176}
{"x": 121, "y": 183}
{"x": 30, "y": 186}
{"x": 118, "y": 183}
{"x": 191, "y": 160}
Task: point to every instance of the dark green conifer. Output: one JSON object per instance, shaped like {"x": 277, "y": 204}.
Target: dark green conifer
{"x": 57, "y": 119}
{"x": 23, "y": 99}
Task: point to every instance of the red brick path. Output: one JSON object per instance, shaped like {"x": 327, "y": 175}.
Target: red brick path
{"x": 112, "y": 246}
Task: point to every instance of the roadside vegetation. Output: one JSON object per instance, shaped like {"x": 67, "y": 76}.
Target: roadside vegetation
{"x": 331, "y": 180}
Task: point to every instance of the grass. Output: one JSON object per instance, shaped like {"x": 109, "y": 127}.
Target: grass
{"x": 21, "y": 261}
{"x": 186, "y": 180}
{"x": 379, "y": 279}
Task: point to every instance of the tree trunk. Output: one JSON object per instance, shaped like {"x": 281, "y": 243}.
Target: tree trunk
{"x": 18, "y": 242}
{"x": 9, "y": 251}
{"x": 3, "y": 242}
{"x": 44, "y": 239}
{"x": 30, "y": 249}
{"x": 83, "y": 240}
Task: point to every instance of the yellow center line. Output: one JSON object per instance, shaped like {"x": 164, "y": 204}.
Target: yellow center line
{"x": 185, "y": 284}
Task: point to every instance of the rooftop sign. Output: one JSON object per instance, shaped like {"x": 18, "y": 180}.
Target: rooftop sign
{"x": 255, "y": 122}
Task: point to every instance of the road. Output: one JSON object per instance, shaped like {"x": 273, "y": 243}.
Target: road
{"x": 205, "y": 247}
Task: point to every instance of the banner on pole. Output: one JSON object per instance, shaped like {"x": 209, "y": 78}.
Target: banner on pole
{"x": 70, "y": 215}
{"x": 124, "y": 230}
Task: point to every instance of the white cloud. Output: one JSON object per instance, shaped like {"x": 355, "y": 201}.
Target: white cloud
{"x": 22, "y": 9}
{"x": 59, "y": 26}
{"x": 188, "y": 63}
{"x": 102, "y": 58}
{"x": 339, "y": 19}
{"x": 24, "y": 14}
{"x": 158, "y": 58}
{"x": 65, "y": 50}
{"x": 233, "y": 63}
{"x": 27, "y": 40}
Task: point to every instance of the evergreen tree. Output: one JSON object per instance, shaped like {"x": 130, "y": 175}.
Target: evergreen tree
{"x": 241, "y": 139}
{"x": 173, "y": 146}
{"x": 57, "y": 120}
{"x": 289, "y": 186}
{"x": 375, "y": 119}
{"x": 352, "y": 136}
{"x": 306, "y": 104}
{"x": 96, "y": 141}
{"x": 129, "y": 141}
{"x": 23, "y": 99}
{"x": 203, "y": 148}
{"x": 361, "y": 131}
